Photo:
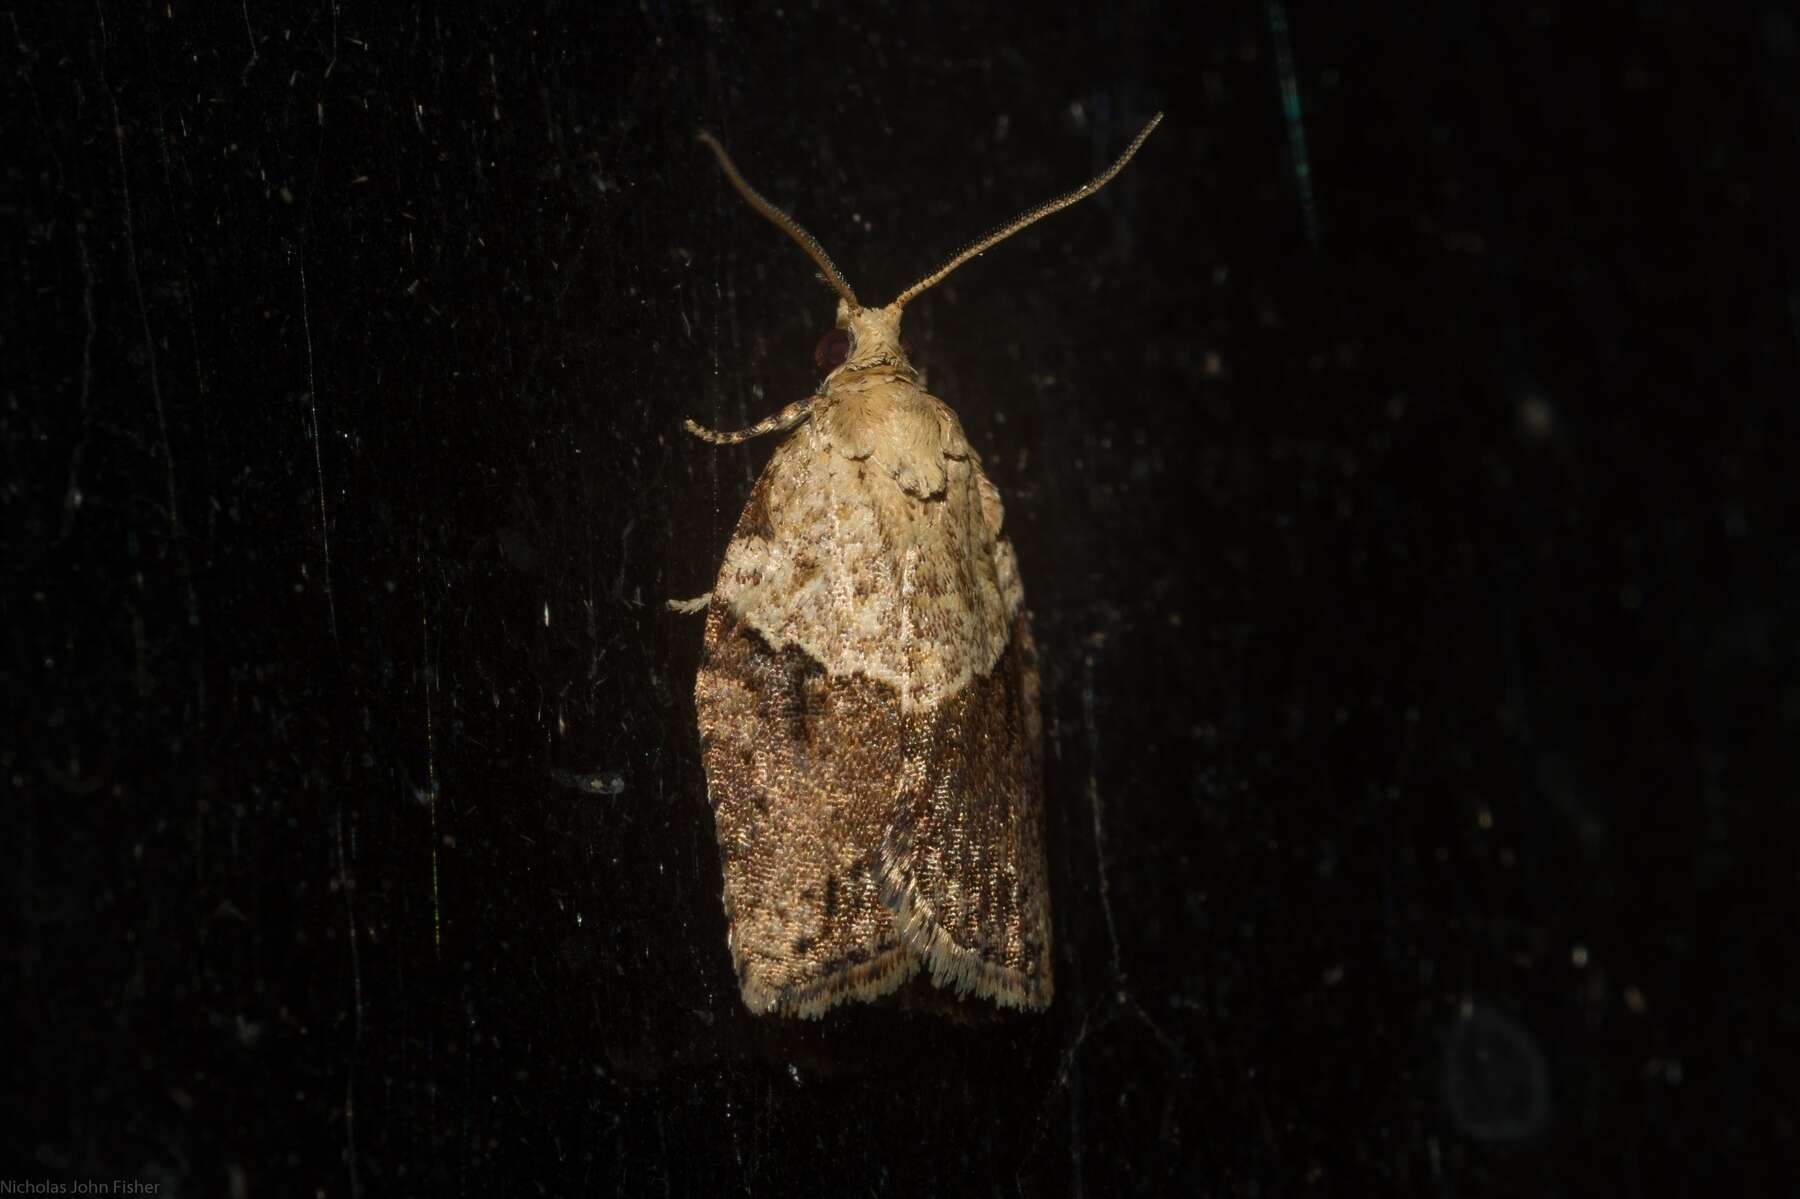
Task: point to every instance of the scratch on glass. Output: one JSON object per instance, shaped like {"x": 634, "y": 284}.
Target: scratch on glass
{"x": 312, "y": 400}
{"x": 1290, "y": 112}
{"x": 431, "y": 784}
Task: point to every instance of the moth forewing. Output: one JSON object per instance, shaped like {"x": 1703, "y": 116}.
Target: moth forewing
{"x": 868, "y": 694}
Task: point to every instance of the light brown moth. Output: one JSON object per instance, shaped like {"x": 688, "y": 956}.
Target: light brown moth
{"x": 868, "y": 696}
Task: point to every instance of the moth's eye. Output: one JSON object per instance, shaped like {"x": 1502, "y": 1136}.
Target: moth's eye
{"x": 832, "y": 350}
{"x": 906, "y": 348}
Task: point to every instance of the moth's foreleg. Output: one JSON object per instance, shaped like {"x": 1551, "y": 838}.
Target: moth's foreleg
{"x": 782, "y": 421}
{"x": 688, "y": 607}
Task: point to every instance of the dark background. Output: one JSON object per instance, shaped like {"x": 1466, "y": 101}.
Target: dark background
{"x": 1399, "y": 455}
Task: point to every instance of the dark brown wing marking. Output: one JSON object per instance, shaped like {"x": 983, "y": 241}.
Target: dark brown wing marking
{"x": 800, "y": 776}
{"x": 962, "y": 865}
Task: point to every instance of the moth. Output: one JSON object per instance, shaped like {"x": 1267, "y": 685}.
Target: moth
{"x": 868, "y": 693}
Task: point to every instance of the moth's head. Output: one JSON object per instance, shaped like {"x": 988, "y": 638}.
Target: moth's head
{"x": 864, "y": 340}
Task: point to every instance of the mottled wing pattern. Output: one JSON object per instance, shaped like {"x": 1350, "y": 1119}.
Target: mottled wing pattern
{"x": 962, "y": 864}
{"x": 800, "y": 776}
{"x": 863, "y": 836}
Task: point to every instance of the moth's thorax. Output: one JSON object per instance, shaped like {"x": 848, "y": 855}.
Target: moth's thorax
{"x": 894, "y": 424}
{"x": 875, "y": 348}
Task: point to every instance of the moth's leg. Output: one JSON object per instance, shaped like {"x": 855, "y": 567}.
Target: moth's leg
{"x": 782, "y": 421}
{"x": 786, "y": 419}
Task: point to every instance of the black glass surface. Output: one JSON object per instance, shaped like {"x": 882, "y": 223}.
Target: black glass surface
{"x": 1400, "y": 458}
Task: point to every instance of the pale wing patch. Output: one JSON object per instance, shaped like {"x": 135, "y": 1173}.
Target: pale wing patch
{"x": 869, "y": 579}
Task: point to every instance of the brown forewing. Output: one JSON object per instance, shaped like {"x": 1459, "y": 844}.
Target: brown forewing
{"x": 962, "y": 863}
{"x": 859, "y": 842}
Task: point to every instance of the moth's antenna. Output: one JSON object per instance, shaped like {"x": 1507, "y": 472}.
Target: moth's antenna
{"x": 788, "y": 224}
{"x": 1036, "y": 214}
